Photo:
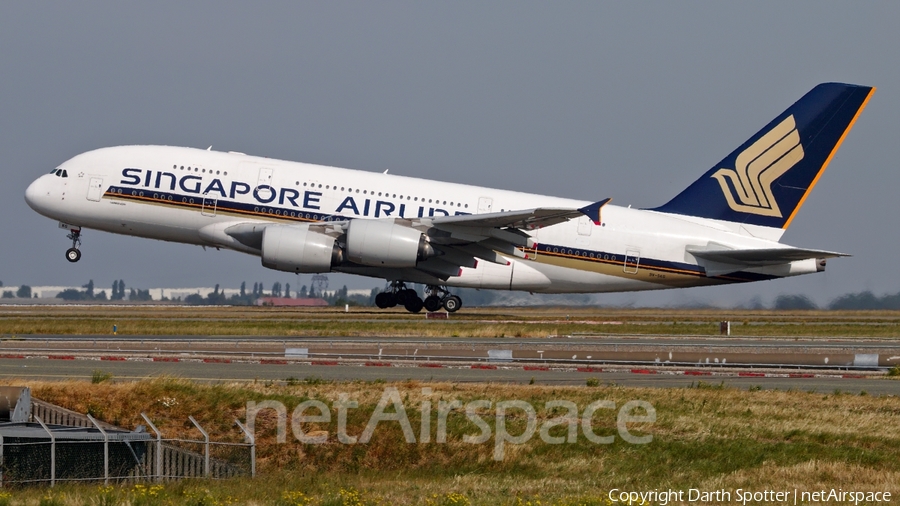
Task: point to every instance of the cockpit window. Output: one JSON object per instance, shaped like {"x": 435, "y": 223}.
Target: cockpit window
{"x": 64, "y": 173}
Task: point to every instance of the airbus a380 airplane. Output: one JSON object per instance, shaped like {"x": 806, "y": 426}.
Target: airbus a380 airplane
{"x": 302, "y": 218}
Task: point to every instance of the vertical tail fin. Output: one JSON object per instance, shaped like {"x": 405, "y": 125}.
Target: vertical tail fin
{"x": 765, "y": 181}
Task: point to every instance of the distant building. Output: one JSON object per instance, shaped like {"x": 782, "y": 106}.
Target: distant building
{"x": 284, "y": 301}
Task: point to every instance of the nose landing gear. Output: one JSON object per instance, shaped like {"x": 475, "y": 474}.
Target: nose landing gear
{"x": 73, "y": 254}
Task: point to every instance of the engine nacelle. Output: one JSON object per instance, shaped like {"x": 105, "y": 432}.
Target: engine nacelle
{"x": 296, "y": 248}
{"x": 383, "y": 243}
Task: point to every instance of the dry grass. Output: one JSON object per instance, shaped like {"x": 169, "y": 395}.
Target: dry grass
{"x": 472, "y": 322}
{"x": 705, "y": 437}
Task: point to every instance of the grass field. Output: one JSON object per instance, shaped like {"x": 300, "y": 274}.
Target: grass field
{"x": 704, "y": 437}
{"x": 471, "y": 322}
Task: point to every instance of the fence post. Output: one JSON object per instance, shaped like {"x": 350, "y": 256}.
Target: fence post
{"x": 105, "y": 449}
{"x": 252, "y": 439}
{"x": 158, "y": 463}
{"x": 52, "y": 451}
{"x": 205, "y": 446}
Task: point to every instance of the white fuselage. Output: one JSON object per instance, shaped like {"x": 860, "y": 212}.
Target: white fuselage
{"x": 190, "y": 195}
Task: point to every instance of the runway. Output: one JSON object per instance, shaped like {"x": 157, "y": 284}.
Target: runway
{"x": 56, "y": 369}
{"x": 585, "y": 351}
{"x": 851, "y": 366}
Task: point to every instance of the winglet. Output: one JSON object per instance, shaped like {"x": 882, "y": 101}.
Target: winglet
{"x": 593, "y": 211}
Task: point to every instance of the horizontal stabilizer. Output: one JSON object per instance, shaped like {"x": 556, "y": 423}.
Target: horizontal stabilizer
{"x": 760, "y": 257}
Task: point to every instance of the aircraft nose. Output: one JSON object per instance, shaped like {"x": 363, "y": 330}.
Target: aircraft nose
{"x": 35, "y": 191}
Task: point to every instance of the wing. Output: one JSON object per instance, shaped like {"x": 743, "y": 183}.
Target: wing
{"x": 528, "y": 219}
{"x": 457, "y": 241}
{"x": 463, "y": 240}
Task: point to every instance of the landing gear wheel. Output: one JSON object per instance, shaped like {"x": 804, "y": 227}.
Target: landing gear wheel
{"x": 381, "y": 300}
{"x": 73, "y": 255}
{"x": 414, "y": 304}
{"x": 432, "y": 303}
{"x": 452, "y": 304}
{"x": 406, "y": 294}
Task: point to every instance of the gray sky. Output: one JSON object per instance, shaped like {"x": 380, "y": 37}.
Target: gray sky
{"x": 630, "y": 100}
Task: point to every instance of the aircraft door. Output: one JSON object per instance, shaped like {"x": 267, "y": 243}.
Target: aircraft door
{"x": 209, "y": 206}
{"x": 485, "y": 205}
{"x": 632, "y": 261}
{"x": 264, "y": 180}
{"x": 265, "y": 177}
{"x": 95, "y": 189}
{"x": 584, "y": 226}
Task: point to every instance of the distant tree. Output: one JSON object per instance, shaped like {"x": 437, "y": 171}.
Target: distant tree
{"x": 794, "y": 302}
{"x": 1, "y": 283}
{"x": 303, "y": 293}
{"x": 276, "y": 289}
{"x": 24, "y": 292}
{"x": 89, "y": 289}
{"x": 8, "y": 294}
{"x": 866, "y": 300}
{"x": 195, "y": 299}
{"x": 756, "y": 303}
{"x": 118, "y": 290}
{"x": 287, "y": 290}
{"x": 100, "y": 296}
{"x": 140, "y": 295}
{"x": 70, "y": 294}
{"x": 216, "y": 297}
{"x": 243, "y": 289}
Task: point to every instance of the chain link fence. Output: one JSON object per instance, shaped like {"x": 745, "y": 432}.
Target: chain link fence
{"x": 75, "y": 447}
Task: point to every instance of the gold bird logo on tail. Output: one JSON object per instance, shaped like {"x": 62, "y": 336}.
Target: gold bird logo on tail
{"x": 758, "y": 166}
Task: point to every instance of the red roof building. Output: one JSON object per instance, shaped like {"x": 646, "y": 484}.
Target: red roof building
{"x": 284, "y": 301}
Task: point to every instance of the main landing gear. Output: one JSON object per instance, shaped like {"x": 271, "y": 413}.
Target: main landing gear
{"x": 73, "y": 254}
{"x": 437, "y": 297}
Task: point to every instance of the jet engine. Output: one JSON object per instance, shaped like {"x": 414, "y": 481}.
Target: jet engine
{"x": 296, "y": 248}
{"x": 384, "y": 243}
